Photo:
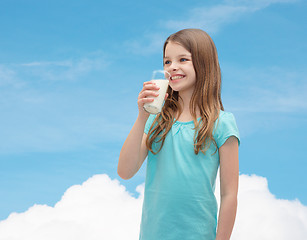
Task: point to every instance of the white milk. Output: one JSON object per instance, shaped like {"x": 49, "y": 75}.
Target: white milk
{"x": 156, "y": 106}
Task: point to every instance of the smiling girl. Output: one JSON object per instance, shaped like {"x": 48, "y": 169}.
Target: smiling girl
{"x": 185, "y": 144}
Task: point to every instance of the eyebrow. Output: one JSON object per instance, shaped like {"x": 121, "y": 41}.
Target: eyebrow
{"x": 181, "y": 55}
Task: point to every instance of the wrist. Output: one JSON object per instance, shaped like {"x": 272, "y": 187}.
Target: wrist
{"x": 142, "y": 118}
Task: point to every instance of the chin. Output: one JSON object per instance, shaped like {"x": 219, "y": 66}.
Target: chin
{"x": 175, "y": 89}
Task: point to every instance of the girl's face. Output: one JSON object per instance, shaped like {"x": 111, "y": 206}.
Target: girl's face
{"x": 178, "y": 62}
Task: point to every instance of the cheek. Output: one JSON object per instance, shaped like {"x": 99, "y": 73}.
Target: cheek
{"x": 191, "y": 68}
{"x": 193, "y": 75}
{"x": 192, "y": 72}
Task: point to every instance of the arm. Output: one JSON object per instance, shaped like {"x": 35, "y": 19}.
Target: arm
{"x": 134, "y": 151}
{"x": 229, "y": 180}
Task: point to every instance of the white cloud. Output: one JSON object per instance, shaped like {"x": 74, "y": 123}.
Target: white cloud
{"x": 37, "y": 120}
{"x": 148, "y": 44}
{"x": 257, "y": 3}
{"x": 66, "y": 63}
{"x": 213, "y": 18}
{"x": 44, "y": 109}
{"x": 261, "y": 216}
{"x": 20, "y": 75}
{"x": 70, "y": 69}
{"x": 264, "y": 99}
{"x": 101, "y": 208}
{"x": 8, "y": 77}
{"x": 61, "y": 116}
{"x": 269, "y": 89}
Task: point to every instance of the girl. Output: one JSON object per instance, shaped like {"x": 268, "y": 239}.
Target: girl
{"x": 185, "y": 144}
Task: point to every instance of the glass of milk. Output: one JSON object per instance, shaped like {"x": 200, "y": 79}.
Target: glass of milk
{"x": 159, "y": 78}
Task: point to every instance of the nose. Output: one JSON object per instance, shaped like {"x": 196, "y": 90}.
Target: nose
{"x": 172, "y": 67}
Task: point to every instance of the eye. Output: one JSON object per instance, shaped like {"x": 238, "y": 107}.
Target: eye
{"x": 183, "y": 59}
{"x": 166, "y": 62}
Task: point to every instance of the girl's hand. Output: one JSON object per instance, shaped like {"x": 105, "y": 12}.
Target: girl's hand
{"x": 149, "y": 91}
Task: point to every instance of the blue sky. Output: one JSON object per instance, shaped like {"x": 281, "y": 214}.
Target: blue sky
{"x": 71, "y": 71}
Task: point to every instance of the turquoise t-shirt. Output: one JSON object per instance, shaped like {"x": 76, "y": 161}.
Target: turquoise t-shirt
{"x": 179, "y": 200}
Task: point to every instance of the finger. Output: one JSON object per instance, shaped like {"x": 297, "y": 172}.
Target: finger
{"x": 149, "y": 83}
{"x": 150, "y": 86}
{"x": 166, "y": 95}
{"x": 147, "y": 93}
{"x": 145, "y": 100}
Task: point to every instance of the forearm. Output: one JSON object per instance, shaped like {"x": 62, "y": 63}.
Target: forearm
{"x": 129, "y": 157}
{"x": 227, "y": 215}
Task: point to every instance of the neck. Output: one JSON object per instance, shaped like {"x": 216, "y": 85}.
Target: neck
{"x": 185, "y": 103}
{"x": 184, "y": 100}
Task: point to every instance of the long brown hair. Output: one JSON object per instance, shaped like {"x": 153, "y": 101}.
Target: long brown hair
{"x": 206, "y": 96}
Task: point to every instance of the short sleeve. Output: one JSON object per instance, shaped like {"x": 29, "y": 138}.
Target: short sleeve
{"x": 149, "y": 122}
{"x": 226, "y": 127}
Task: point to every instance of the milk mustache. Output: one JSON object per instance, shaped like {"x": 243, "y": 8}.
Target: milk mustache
{"x": 155, "y": 106}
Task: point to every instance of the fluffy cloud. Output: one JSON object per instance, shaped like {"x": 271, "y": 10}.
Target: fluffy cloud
{"x": 102, "y": 208}
{"x": 261, "y": 216}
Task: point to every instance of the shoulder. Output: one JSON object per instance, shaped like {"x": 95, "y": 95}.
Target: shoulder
{"x": 224, "y": 127}
{"x": 223, "y": 115}
{"x": 224, "y": 118}
{"x": 149, "y": 122}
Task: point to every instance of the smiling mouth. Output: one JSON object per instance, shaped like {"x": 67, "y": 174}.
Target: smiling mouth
{"x": 177, "y": 77}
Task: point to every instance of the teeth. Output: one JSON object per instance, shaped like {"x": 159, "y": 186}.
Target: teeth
{"x": 176, "y": 77}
